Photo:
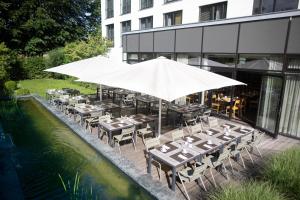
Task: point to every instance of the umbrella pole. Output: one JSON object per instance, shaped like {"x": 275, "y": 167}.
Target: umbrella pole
{"x": 159, "y": 118}
{"x": 100, "y": 91}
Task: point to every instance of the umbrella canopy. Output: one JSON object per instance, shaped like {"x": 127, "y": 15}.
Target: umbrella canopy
{"x": 85, "y": 68}
{"x": 163, "y": 78}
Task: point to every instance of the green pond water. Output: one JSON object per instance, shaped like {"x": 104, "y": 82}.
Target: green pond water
{"x": 45, "y": 147}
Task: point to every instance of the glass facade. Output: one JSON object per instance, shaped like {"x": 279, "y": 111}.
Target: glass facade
{"x": 219, "y": 60}
{"x": 146, "y": 23}
{"x": 109, "y": 8}
{"x": 173, "y": 18}
{"x": 110, "y": 32}
{"x": 125, "y": 6}
{"x": 290, "y": 109}
{"x": 189, "y": 58}
{"x": 267, "y": 6}
{"x": 146, "y": 4}
{"x": 213, "y": 12}
{"x": 126, "y": 26}
{"x": 261, "y": 62}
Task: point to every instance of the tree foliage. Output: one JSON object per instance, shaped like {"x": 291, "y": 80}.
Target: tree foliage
{"x": 93, "y": 46}
{"x": 33, "y": 27}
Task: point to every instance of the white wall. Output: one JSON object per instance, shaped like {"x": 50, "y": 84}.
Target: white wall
{"x": 190, "y": 14}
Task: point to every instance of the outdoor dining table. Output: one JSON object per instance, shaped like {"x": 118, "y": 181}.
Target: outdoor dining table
{"x": 106, "y": 106}
{"x": 119, "y": 93}
{"x": 183, "y": 109}
{"x": 145, "y": 99}
{"x": 113, "y": 125}
{"x": 195, "y": 145}
{"x": 85, "y": 109}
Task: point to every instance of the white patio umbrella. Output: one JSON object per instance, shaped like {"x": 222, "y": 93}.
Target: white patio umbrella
{"x": 85, "y": 68}
{"x": 163, "y": 78}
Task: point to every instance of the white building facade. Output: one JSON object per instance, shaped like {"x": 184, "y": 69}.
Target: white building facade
{"x": 119, "y": 16}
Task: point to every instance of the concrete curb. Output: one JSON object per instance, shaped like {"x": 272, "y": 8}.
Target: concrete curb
{"x": 155, "y": 188}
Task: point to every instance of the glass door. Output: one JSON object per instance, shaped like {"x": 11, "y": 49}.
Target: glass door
{"x": 269, "y": 103}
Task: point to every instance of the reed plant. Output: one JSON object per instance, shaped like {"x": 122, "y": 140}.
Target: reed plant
{"x": 251, "y": 190}
{"x": 283, "y": 171}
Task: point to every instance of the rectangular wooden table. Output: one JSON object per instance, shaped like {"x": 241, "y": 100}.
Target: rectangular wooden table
{"x": 85, "y": 109}
{"x": 196, "y": 145}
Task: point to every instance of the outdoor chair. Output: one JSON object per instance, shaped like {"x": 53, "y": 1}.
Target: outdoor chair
{"x": 253, "y": 143}
{"x": 234, "y": 108}
{"x": 150, "y": 144}
{"x": 145, "y": 131}
{"x": 92, "y": 120}
{"x": 189, "y": 119}
{"x": 126, "y": 134}
{"x": 238, "y": 150}
{"x": 213, "y": 122}
{"x": 218, "y": 161}
{"x": 204, "y": 117}
{"x": 190, "y": 174}
{"x": 129, "y": 100}
{"x": 194, "y": 129}
{"x": 215, "y": 107}
{"x": 177, "y": 134}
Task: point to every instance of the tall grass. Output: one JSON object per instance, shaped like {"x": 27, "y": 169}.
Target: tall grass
{"x": 74, "y": 191}
{"x": 283, "y": 171}
{"x": 248, "y": 191}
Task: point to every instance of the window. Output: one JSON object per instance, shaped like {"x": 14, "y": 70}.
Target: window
{"x": 173, "y": 18}
{"x": 146, "y": 23}
{"x": 219, "y": 60}
{"x": 126, "y": 26}
{"x": 189, "y": 58}
{"x": 146, "y": 4}
{"x": 294, "y": 63}
{"x": 261, "y": 62}
{"x": 132, "y": 58}
{"x": 267, "y": 6}
{"x": 213, "y": 12}
{"x": 110, "y": 32}
{"x": 146, "y": 56}
{"x": 109, "y": 8}
{"x": 125, "y": 6}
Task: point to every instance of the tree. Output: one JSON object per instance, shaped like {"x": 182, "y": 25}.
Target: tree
{"x": 33, "y": 27}
{"x": 5, "y": 64}
{"x": 93, "y": 46}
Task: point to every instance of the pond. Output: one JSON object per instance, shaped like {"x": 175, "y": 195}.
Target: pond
{"x": 47, "y": 148}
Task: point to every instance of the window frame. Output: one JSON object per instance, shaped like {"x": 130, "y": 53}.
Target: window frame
{"x": 109, "y": 10}
{"x": 173, "y": 13}
{"x": 151, "y": 6}
{"x": 224, "y": 4}
{"x": 126, "y": 8}
{"x": 143, "y": 18}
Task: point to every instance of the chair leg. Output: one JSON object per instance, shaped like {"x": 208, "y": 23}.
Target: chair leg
{"x": 258, "y": 151}
{"x": 242, "y": 161}
{"x": 213, "y": 177}
{"x": 183, "y": 187}
{"x": 202, "y": 183}
{"x": 119, "y": 147}
{"x": 133, "y": 144}
{"x": 230, "y": 164}
{"x": 249, "y": 155}
{"x": 143, "y": 138}
{"x": 225, "y": 170}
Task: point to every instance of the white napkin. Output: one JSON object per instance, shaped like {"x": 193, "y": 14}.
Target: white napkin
{"x": 182, "y": 157}
{"x": 245, "y": 131}
{"x": 207, "y": 146}
{"x": 209, "y": 132}
{"x": 228, "y": 138}
{"x": 189, "y": 138}
{"x": 166, "y": 147}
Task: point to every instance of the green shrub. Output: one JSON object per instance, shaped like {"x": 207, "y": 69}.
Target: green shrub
{"x": 22, "y": 91}
{"x": 283, "y": 170}
{"x": 10, "y": 87}
{"x": 33, "y": 67}
{"x": 247, "y": 191}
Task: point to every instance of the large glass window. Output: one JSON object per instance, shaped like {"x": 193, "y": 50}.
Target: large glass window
{"x": 146, "y": 23}
{"x": 267, "y": 6}
{"x": 126, "y": 26}
{"x": 132, "y": 58}
{"x": 294, "y": 63}
{"x": 173, "y": 18}
{"x": 146, "y": 56}
{"x": 109, "y": 8}
{"x": 146, "y": 4}
{"x": 125, "y": 6}
{"x": 290, "y": 110}
{"x": 110, "y": 32}
{"x": 218, "y": 60}
{"x": 189, "y": 58}
{"x": 269, "y": 103}
{"x": 213, "y": 12}
{"x": 261, "y": 62}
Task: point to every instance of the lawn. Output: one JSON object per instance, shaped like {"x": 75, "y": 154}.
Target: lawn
{"x": 39, "y": 86}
